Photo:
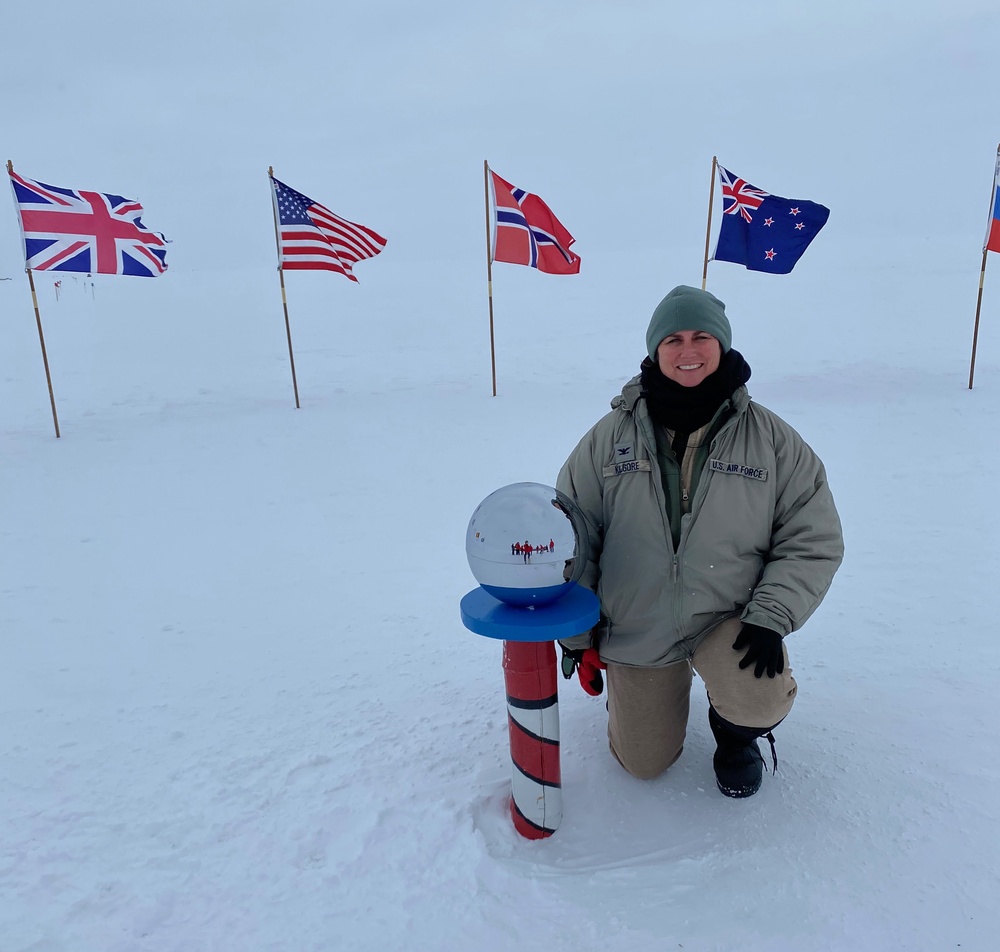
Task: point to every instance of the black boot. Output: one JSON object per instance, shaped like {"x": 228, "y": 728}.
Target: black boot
{"x": 738, "y": 763}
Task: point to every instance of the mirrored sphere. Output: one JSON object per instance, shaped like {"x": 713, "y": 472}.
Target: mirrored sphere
{"x": 527, "y": 544}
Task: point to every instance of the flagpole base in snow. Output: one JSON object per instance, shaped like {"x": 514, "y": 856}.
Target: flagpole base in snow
{"x": 529, "y": 634}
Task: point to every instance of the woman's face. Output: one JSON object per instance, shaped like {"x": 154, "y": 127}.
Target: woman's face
{"x": 688, "y": 357}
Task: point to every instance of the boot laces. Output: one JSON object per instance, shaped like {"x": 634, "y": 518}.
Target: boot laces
{"x": 769, "y": 737}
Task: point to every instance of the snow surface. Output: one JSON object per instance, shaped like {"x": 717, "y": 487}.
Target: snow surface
{"x": 239, "y": 709}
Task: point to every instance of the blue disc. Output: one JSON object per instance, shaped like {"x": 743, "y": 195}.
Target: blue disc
{"x": 571, "y": 614}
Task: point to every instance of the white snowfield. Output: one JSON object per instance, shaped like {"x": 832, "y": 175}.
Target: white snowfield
{"x": 238, "y": 709}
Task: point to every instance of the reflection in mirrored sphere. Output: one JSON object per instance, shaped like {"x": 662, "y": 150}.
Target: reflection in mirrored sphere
{"x": 527, "y": 544}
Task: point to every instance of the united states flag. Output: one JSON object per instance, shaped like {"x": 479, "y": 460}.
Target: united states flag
{"x": 312, "y": 238}
{"x": 69, "y": 230}
{"x": 526, "y": 232}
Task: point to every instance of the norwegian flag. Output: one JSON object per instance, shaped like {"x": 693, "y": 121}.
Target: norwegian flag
{"x": 764, "y": 232}
{"x": 526, "y": 232}
{"x": 68, "y": 230}
{"x": 312, "y": 238}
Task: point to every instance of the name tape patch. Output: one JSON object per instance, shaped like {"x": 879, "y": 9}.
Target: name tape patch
{"x": 738, "y": 469}
{"x": 630, "y": 466}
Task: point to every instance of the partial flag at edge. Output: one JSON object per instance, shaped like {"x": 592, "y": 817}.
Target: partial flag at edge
{"x": 993, "y": 228}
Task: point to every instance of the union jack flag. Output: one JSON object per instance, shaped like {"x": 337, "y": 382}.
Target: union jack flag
{"x": 765, "y": 232}
{"x": 526, "y": 232}
{"x": 64, "y": 229}
{"x": 311, "y": 237}
{"x": 743, "y": 197}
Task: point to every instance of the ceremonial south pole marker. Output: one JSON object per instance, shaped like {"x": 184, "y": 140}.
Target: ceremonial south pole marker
{"x": 527, "y": 547}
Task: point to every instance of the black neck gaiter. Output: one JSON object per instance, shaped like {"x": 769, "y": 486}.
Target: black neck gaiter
{"x": 688, "y": 408}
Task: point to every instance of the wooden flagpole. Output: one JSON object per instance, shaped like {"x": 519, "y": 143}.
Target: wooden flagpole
{"x": 281, "y": 279}
{"x": 45, "y": 359}
{"x": 982, "y": 271}
{"x": 489, "y": 271}
{"x": 38, "y": 320}
{"x": 708, "y": 229}
{"x": 975, "y": 332}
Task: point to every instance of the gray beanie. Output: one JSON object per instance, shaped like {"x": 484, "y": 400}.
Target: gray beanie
{"x": 688, "y": 309}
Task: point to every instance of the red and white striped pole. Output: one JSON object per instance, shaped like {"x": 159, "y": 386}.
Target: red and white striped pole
{"x": 533, "y": 722}
{"x": 531, "y": 681}
{"x": 529, "y": 596}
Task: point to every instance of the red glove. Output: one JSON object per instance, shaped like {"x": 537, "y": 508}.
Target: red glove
{"x": 588, "y": 666}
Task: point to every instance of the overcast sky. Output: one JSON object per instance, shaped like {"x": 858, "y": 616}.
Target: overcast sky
{"x": 610, "y": 110}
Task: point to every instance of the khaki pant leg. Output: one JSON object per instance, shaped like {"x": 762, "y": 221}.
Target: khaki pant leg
{"x": 647, "y": 716}
{"x": 737, "y": 695}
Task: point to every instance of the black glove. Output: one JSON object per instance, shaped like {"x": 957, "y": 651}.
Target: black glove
{"x": 764, "y": 647}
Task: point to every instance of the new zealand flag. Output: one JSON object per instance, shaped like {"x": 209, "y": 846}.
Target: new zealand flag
{"x": 764, "y": 232}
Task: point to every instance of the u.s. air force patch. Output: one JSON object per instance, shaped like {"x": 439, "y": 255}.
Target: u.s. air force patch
{"x": 625, "y": 462}
{"x": 738, "y": 469}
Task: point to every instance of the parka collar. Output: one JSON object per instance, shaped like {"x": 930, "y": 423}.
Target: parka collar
{"x": 632, "y": 391}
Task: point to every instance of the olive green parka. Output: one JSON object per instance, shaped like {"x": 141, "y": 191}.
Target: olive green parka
{"x": 762, "y": 540}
